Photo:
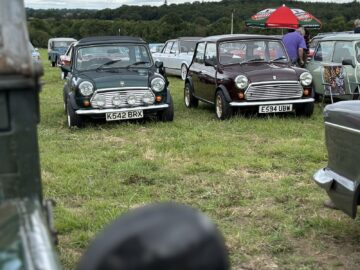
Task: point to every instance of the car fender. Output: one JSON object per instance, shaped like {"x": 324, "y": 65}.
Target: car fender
{"x": 189, "y": 80}
{"x": 71, "y": 97}
{"x": 225, "y": 92}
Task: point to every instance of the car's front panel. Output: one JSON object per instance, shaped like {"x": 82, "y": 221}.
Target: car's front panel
{"x": 259, "y": 72}
{"x": 116, "y": 78}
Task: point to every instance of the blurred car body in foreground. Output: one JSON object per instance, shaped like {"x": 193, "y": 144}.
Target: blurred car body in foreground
{"x": 341, "y": 177}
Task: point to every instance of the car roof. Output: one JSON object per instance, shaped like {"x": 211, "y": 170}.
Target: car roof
{"x": 345, "y": 37}
{"x": 62, "y": 39}
{"x": 185, "y": 38}
{"x": 109, "y": 39}
{"x": 220, "y": 38}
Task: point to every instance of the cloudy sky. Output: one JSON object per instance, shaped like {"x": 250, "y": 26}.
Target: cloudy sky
{"x": 101, "y": 4}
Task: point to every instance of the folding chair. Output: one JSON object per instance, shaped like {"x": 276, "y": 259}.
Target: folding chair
{"x": 334, "y": 80}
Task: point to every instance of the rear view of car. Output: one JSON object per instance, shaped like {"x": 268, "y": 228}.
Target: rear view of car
{"x": 57, "y": 47}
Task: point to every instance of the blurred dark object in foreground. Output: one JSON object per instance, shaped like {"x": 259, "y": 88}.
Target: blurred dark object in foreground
{"x": 165, "y": 236}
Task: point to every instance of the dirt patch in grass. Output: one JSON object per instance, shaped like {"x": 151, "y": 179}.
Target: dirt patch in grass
{"x": 138, "y": 179}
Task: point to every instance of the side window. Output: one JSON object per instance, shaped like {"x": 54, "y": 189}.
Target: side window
{"x": 324, "y": 51}
{"x": 199, "y": 57}
{"x": 168, "y": 46}
{"x": 342, "y": 50}
{"x": 210, "y": 53}
{"x": 175, "y": 48}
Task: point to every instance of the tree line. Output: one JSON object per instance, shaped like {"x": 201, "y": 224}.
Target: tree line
{"x": 157, "y": 24}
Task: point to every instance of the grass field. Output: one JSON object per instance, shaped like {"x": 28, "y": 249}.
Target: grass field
{"x": 251, "y": 175}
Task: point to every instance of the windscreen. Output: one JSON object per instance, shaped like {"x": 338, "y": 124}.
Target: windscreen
{"x": 242, "y": 51}
{"x": 115, "y": 56}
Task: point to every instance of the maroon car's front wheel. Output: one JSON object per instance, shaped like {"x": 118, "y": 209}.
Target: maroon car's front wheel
{"x": 223, "y": 109}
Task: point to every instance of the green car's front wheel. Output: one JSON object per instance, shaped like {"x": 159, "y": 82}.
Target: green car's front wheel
{"x": 73, "y": 120}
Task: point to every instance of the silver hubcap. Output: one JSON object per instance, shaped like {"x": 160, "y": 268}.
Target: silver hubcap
{"x": 183, "y": 72}
{"x": 219, "y": 106}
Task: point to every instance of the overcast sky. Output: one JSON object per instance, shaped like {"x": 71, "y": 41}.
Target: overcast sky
{"x": 101, "y": 4}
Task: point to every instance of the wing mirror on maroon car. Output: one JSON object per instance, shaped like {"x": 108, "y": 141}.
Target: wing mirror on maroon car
{"x": 158, "y": 237}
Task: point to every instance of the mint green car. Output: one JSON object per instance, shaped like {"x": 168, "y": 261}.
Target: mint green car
{"x": 336, "y": 65}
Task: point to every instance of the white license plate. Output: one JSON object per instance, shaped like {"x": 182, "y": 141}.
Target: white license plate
{"x": 275, "y": 108}
{"x": 124, "y": 115}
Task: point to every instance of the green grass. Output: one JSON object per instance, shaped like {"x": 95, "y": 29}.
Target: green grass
{"x": 252, "y": 175}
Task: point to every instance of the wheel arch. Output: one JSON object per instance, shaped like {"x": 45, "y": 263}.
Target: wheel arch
{"x": 223, "y": 89}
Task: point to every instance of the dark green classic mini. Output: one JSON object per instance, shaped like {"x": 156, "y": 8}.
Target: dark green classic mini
{"x": 115, "y": 78}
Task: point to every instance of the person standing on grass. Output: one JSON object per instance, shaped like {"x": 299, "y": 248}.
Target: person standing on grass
{"x": 295, "y": 45}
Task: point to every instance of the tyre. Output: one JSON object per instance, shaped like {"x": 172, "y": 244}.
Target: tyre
{"x": 167, "y": 115}
{"x": 306, "y": 109}
{"x": 53, "y": 64}
{"x": 356, "y": 95}
{"x": 73, "y": 120}
{"x": 183, "y": 72}
{"x": 223, "y": 109}
{"x": 189, "y": 100}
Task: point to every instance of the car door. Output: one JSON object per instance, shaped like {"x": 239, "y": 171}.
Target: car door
{"x": 344, "y": 50}
{"x": 207, "y": 77}
{"x": 196, "y": 69}
{"x": 322, "y": 56}
{"x": 173, "y": 56}
{"x": 165, "y": 54}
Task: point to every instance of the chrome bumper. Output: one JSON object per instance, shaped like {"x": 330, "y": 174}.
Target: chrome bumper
{"x": 274, "y": 102}
{"x": 102, "y": 111}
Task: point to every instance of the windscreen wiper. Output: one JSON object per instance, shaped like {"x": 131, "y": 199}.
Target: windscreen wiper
{"x": 108, "y": 64}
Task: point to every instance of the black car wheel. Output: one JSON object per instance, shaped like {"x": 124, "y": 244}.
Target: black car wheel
{"x": 73, "y": 120}
{"x": 167, "y": 115}
{"x": 53, "y": 64}
{"x": 306, "y": 109}
{"x": 189, "y": 100}
{"x": 183, "y": 72}
{"x": 222, "y": 107}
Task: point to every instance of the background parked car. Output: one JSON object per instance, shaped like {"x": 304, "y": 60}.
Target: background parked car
{"x": 177, "y": 55}
{"x": 247, "y": 71}
{"x": 340, "y": 178}
{"x": 57, "y": 47}
{"x": 341, "y": 50}
{"x": 156, "y": 47}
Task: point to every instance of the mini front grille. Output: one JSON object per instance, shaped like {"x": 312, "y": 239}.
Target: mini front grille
{"x": 273, "y": 90}
{"x": 123, "y": 96}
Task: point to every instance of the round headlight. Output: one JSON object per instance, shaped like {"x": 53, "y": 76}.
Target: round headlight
{"x": 241, "y": 82}
{"x": 148, "y": 98}
{"x": 116, "y": 101}
{"x": 305, "y": 79}
{"x": 86, "y": 88}
{"x": 131, "y": 100}
{"x": 99, "y": 101}
{"x": 157, "y": 84}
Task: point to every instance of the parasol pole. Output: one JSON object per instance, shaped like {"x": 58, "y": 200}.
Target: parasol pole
{"x": 232, "y": 21}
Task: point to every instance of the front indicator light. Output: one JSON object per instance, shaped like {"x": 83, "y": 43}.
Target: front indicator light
{"x": 306, "y": 92}
{"x": 241, "y": 95}
{"x": 86, "y": 103}
{"x": 158, "y": 98}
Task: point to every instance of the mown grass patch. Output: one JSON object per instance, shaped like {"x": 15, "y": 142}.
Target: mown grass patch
{"x": 252, "y": 175}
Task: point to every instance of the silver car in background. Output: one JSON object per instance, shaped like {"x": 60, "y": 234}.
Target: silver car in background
{"x": 177, "y": 55}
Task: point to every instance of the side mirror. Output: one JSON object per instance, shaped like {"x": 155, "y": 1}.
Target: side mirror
{"x": 348, "y": 62}
{"x": 158, "y": 236}
{"x": 65, "y": 69}
{"x": 159, "y": 64}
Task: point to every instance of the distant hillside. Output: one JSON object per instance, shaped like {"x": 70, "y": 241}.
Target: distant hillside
{"x": 164, "y": 22}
